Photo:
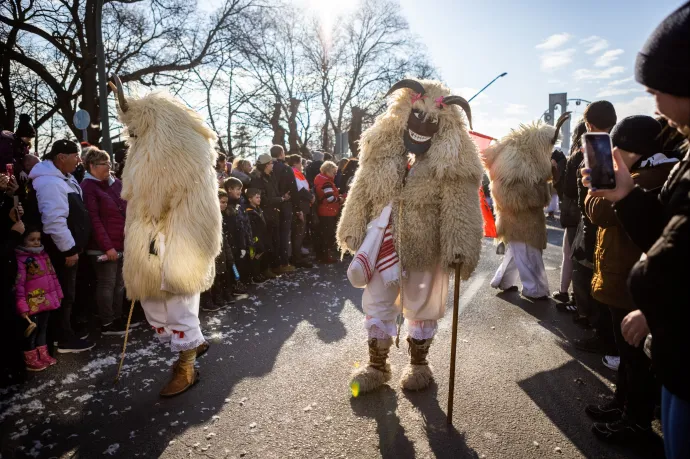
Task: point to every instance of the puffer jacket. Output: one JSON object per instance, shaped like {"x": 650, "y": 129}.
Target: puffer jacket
{"x": 37, "y": 285}
{"x": 615, "y": 252}
{"x": 107, "y": 211}
{"x": 327, "y": 195}
{"x": 270, "y": 198}
{"x": 659, "y": 223}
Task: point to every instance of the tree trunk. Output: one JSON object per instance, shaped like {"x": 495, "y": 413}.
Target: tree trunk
{"x": 292, "y": 126}
{"x": 278, "y": 130}
{"x": 355, "y": 131}
{"x": 325, "y": 138}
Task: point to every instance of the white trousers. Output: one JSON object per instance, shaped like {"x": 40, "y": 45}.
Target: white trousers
{"x": 176, "y": 321}
{"x": 424, "y": 302}
{"x": 553, "y": 204}
{"x": 524, "y": 261}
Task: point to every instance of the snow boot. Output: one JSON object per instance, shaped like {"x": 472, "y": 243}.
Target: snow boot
{"x": 32, "y": 362}
{"x": 44, "y": 357}
{"x": 184, "y": 374}
{"x": 377, "y": 372}
{"x": 417, "y": 375}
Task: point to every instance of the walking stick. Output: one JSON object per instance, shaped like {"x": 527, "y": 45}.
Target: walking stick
{"x": 124, "y": 345}
{"x": 454, "y": 340}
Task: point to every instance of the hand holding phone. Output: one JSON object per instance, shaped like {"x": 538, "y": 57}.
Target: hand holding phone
{"x": 599, "y": 160}
{"x": 9, "y": 169}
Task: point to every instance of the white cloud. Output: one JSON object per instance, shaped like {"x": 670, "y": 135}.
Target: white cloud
{"x": 620, "y": 82}
{"x": 610, "y": 92}
{"x": 555, "y": 41}
{"x": 587, "y": 74}
{"x": 643, "y": 105}
{"x": 608, "y": 57}
{"x": 594, "y": 44}
{"x": 555, "y": 59}
{"x": 516, "y": 109}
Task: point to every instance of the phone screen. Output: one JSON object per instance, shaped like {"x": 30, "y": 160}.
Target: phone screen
{"x": 600, "y": 161}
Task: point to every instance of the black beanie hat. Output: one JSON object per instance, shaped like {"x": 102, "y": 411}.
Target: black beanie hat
{"x": 664, "y": 62}
{"x": 638, "y": 134}
{"x": 24, "y": 128}
{"x": 62, "y": 146}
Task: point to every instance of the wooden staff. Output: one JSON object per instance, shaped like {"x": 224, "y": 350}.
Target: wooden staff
{"x": 124, "y": 345}
{"x": 454, "y": 340}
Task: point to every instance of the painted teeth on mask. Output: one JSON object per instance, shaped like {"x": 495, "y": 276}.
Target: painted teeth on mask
{"x": 416, "y": 137}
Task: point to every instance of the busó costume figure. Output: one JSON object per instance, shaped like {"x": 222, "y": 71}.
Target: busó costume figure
{"x": 173, "y": 228}
{"x": 519, "y": 167}
{"x": 419, "y": 159}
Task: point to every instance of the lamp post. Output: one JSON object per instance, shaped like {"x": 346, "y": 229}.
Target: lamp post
{"x": 492, "y": 82}
{"x": 102, "y": 83}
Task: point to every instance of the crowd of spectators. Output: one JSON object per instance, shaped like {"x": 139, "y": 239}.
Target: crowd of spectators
{"x": 63, "y": 218}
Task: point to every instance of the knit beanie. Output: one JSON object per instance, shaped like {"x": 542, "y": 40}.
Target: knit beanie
{"x": 317, "y": 156}
{"x": 24, "y": 128}
{"x": 62, "y": 146}
{"x": 638, "y": 134}
{"x": 664, "y": 63}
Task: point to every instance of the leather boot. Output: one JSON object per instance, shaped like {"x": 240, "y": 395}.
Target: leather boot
{"x": 184, "y": 374}
{"x": 377, "y": 372}
{"x": 417, "y": 374}
{"x": 44, "y": 356}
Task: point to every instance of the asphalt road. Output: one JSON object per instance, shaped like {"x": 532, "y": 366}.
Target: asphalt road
{"x": 275, "y": 385}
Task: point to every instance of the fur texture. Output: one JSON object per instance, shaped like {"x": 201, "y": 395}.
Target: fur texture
{"x": 171, "y": 188}
{"x": 416, "y": 377}
{"x": 519, "y": 167}
{"x": 369, "y": 378}
{"x": 441, "y": 217}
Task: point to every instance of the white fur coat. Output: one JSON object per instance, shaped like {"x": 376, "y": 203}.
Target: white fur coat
{"x": 171, "y": 188}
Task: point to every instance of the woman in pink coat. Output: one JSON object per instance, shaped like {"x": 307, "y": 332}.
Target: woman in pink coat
{"x": 38, "y": 293}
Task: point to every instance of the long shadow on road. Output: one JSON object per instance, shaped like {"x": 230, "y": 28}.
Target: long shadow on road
{"x": 75, "y": 408}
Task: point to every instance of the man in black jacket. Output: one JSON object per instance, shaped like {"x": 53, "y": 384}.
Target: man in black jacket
{"x": 285, "y": 179}
{"x": 599, "y": 116}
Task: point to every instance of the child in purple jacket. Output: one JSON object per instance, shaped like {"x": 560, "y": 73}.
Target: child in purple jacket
{"x": 38, "y": 293}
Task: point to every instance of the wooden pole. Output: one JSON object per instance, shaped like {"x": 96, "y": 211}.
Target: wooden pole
{"x": 454, "y": 340}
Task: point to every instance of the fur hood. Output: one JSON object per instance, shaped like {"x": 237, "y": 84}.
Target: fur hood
{"x": 519, "y": 167}
{"x": 173, "y": 228}
{"x": 452, "y": 154}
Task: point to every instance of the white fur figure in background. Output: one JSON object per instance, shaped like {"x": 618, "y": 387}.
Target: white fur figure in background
{"x": 173, "y": 227}
{"x": 435, "y": 221}
{"x": 519, "y": 167}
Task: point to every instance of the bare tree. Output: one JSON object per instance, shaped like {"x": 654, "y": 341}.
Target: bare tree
{"x": 359, "y": 59}
{"x": 149, "y": 41}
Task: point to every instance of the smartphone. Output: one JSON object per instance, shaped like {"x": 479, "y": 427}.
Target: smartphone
{"x": 9, "y": 168}
{"x": 599, "y": 159}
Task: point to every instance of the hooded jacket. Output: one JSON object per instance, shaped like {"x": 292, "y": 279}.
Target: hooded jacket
{"x": 615, "y": 252}
{"x": 63, "y": 213}
{"x": 38, "y": 289}
{"x": 107, "y": 211}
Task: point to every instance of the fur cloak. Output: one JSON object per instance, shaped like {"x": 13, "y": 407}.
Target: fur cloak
{"x": 519, "y": 167}
{"x": 171, "y": 188}
{"x": 441, "y": 216}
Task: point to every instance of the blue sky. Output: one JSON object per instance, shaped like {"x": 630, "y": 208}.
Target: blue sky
{"x": 585, "y": 48}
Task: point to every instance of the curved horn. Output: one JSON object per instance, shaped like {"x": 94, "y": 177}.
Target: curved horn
{"x": 414, "y": 85}
{"x": 561, "y": 120}
{"x": 120, "y": 92}
{"x": 457, "y": 100}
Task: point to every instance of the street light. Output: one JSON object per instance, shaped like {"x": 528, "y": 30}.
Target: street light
{"x": 492, "y": 82}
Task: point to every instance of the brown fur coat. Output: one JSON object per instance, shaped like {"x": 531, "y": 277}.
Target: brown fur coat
{"x": 171, "y": 188}
{"x": 441, "y": 217}
{"x": 519, "y": 167}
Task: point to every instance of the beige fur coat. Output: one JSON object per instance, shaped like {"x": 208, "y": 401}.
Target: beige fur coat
{"x": 170, "y": 186}
{"x": 441, "y": 217}
{"x": 519, "y": 167}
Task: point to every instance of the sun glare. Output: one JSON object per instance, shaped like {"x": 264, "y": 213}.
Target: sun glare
{"x": 327, "y": 11}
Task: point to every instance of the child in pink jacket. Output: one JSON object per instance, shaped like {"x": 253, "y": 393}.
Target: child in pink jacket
{"x": 38, "y": 293}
